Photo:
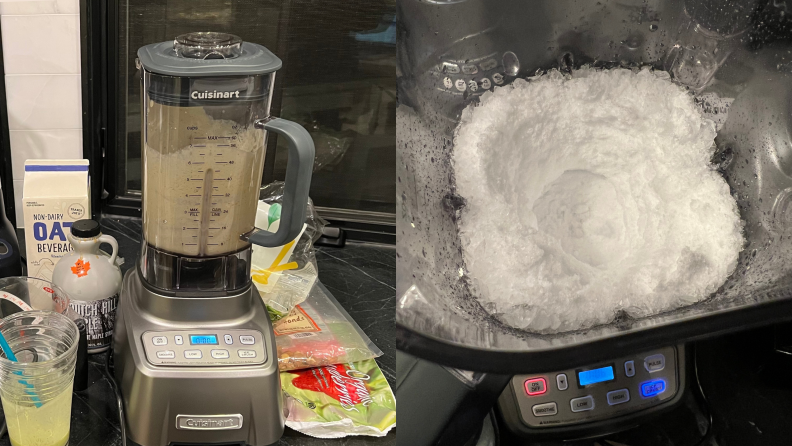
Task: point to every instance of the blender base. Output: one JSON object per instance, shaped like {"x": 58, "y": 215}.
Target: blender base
{"x": 196, "y": 370}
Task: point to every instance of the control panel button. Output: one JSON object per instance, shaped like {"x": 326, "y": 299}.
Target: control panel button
{"x": 561, "y": 381}
{"x": 178, "y": 339}
{"x": 618, "y": 397}
{"x": 247, "y": 340}
{"x": 166, "y": 354}
{"x": 220, "y": 354}
{"x": 450, "y": 68}
{"x": 652, "y": 388}
{"x": 228, "y": 339}
{"x": 582, "y": 404}
{"x": 489, "y": 64}
{"x": 469, "y": 69}
{"x": 460, "y": 84}
{"x": 545, "y": 410}
{"x": 246, "y": 353}
{"x": 192, "y": 354}
{"x": 535, "y": 386}
{"x": 654, "y": 363}
{"x": 629, "y": 369}
{"x": 159, "y": 340}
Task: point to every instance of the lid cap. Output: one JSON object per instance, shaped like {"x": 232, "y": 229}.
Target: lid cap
{"x": 207, "y": 54}
{"x": 208, "y": 45}
{"x": 85, "y": 229}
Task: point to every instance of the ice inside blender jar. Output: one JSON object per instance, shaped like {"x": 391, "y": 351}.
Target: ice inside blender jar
{"x": 202, "y": 174}
{"x": 437, "y": 300}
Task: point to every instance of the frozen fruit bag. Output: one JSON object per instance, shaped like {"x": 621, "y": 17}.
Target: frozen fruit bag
{"x": 320, "y": 332}
{"x": 339, "y": 400}
{"x": 284, "y": 275}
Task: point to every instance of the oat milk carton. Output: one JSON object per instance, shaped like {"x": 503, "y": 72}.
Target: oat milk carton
{"x": 56, "y": 194}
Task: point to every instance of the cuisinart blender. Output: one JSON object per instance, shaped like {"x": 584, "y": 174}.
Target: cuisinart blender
{"x": 731, "y": 54}
{"x": 194, "y": 349}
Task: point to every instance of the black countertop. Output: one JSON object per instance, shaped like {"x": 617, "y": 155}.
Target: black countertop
{"x": 362, "y": 278}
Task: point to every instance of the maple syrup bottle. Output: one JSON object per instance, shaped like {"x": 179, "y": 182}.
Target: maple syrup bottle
{"x": 92, "y": 281}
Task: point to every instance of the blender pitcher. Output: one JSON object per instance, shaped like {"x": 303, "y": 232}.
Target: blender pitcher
{"x": 206, "y": 100}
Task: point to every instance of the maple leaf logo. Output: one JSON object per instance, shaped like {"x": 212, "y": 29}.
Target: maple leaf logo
{"x": 81, "y": 268}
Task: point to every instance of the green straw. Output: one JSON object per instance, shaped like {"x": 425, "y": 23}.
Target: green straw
{"x": 11, "y": 356}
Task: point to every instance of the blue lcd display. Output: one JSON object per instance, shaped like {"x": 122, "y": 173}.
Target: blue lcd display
{"x": 595, "y": 376}
{"x": 203, "y": 339}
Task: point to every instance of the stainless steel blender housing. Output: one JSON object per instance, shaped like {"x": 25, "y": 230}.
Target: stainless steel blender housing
{"x": 242, "y": 400}
{"x": 195, "y": 355}
{"x": 452, "y": 52}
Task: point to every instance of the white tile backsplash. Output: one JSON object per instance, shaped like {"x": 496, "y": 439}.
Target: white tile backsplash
{"x": 39, "y": 7}
{"x": 20, "y": 218}
{"x": 41, "y": 44}
{"x": 43, "y": 144}
{"x": 41, "y": 49}
{"x": 43, "y": 102}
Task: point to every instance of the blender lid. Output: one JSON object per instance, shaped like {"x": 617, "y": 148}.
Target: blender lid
{"x": 208, "y": 54}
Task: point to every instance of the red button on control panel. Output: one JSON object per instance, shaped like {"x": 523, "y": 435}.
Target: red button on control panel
{"x": 535, "y": 386}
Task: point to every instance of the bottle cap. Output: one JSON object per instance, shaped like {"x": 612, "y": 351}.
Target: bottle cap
{"x": 85, "y": 229}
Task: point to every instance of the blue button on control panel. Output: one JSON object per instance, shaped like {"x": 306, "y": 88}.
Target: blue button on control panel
{"x": 652, "y": 388}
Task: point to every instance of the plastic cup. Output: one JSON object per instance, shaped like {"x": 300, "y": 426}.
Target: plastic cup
{"x": 36, "y": 392}
{"x": 30, "y": 293}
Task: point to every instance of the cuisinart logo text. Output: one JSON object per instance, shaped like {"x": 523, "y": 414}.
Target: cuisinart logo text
{"x": 215, "y": 94}
{"x": 209, "y": 422}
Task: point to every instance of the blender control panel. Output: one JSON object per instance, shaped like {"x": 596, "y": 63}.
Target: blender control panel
{"x": 193, "y": 348}
{"x": 598, "y": 392}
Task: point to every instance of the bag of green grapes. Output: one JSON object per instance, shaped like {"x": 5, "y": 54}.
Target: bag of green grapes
{"x": 339, "y": 400}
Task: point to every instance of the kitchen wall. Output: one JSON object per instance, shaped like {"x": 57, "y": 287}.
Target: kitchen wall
{"x": 41, "y": 54}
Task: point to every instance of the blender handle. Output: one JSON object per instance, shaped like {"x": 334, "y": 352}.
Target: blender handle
{"x": 299, "y": 169}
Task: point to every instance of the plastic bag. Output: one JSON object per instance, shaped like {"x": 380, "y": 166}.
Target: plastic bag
{"x": 339, "y": 400}
{"x": 284, "y": 275}
{"x": 319, "y": 332}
